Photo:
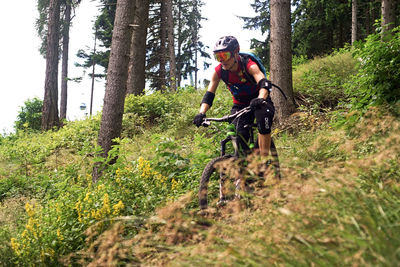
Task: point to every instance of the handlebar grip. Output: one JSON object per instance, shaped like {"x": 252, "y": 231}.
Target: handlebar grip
{"x": 205, "y": 123}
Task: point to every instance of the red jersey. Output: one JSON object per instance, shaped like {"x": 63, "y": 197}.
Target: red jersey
{"x": 241, "y": 89}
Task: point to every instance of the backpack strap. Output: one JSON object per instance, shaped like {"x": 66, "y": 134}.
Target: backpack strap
{"x": 224, "y": 76}
{"x": 244, "y": 60}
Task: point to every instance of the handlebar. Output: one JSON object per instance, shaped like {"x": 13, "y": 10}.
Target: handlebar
{"x": 207, "y": 121}
{"x": 227, "y": 118}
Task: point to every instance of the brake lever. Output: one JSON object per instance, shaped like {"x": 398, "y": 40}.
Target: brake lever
{"x": 205, "y": 123}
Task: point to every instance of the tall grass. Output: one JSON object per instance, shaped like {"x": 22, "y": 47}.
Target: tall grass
{"x": 322, "y": 82}
{"x": 337, "y": 203}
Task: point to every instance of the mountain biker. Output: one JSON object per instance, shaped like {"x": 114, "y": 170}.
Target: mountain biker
{"x": 244, "y": 92}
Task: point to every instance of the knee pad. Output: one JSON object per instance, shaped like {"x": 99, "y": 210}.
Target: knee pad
{"x": 264, "y": 118}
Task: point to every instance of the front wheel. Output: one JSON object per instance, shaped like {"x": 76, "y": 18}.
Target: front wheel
{"x": 209, "y": 169}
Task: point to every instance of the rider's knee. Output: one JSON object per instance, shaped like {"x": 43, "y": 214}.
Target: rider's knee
{"x": 264, "y": 118}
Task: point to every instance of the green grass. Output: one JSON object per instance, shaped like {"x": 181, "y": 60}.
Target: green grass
{"x": 340, "y": 208}
{"x": 321, "y": 83}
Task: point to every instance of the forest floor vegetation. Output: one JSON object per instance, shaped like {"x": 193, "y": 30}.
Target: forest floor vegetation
{"x": 337, "y": 203}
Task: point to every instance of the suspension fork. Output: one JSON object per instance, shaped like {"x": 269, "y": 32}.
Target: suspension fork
{"x": 223, "y": 145}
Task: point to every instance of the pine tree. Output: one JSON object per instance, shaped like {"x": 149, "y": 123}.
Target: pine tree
{"x": 187, "y": 18}
{"x": 388, "y": 8}
{"x": 64, "y": 65}
{"x": 111, "y": 121}
{"x": 66, "y": 7}
{"x": 137, "y": 74}
{"x": 281, "y": 58}
{"x": 171, "y": 45}
{"x": 354, "y": 26}
{"x": 261, "y": 22}
{"x": 189, "y": 45}
{"x": 50, "y": 117}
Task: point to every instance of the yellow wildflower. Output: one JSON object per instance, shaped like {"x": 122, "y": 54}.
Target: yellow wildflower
{"x": 78, "y": 207}
{"x": 100, "y": 187}
{"x": 106, "y": 205}
{"x": 89, "y": 179}
{"x": 16, "y": 246}
{"x": 118, "y": 207}
{"x": 87, "y": 196}
{"x": 174, "y": 184}
{"x": 29, "y": 209}
{"x": 144, "y": 168}
{"x": 59, "y": 235}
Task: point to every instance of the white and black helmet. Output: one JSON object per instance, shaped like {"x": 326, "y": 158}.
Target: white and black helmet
{"x": 227, "y": 43}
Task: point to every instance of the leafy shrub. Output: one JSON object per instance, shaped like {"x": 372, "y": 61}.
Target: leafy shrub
{"x": 57, "y": 227}
{"x": 151, "y": 107}
{"x": 30, "y": 115}
{"x": 377, "y": 80}
{"x": 298, "y": 60}
{"x": 321, "y": 83}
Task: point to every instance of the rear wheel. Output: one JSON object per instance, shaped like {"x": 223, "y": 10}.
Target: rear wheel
{"x": 205, "y": 178}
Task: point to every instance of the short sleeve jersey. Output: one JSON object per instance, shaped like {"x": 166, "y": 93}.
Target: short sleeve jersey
{"x": 241, "y": 89}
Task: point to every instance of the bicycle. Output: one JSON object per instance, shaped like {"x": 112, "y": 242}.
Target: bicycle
{"x": 240, "y": 152}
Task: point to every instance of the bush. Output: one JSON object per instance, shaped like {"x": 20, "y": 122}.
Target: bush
{"x": 151, "y": 107}
{"x": 377, "y": 80}
{"x": 321, "y": 83}
{"x": 30, "y": 115}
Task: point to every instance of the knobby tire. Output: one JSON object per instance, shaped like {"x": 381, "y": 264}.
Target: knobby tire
{"x": 209, "y": 169}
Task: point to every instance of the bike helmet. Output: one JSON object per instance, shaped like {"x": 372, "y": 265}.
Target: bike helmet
{"x": 227, "y": 43}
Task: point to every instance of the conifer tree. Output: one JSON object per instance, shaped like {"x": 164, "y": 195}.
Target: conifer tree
{"x": 137, "y": 74}
{"x": 281, "y": 58}
{"x": 65, "y": 13}
{"x": 187, "y": 19}
{"x": 50, "y": 117}
{"x": 388, "y": 14}
{"x": 171, "y": 44}
{"x": 111, "y": 120}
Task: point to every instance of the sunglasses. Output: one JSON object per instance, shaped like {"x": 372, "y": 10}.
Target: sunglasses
{"x": 222, "y": 56}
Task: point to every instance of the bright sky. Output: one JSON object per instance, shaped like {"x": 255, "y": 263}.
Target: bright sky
{"x": 22, "y": 68}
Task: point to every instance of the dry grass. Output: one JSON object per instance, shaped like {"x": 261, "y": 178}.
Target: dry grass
{"x": 318, "y": 215}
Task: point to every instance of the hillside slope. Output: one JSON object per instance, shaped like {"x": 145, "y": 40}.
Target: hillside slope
{"x": 337, "y": 204}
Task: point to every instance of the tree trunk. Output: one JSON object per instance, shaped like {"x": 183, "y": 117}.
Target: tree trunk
{"x": 353, "y": 21}
{"x": 137, "y": 64}
{"x": 281, "y": 58}
{"x": 196, "y": 44}
{"x": 117, "y": 74}
{"x": 50, "y": 102}
{"x": 93, "y": 71}
{"x": 388, "y": 15}
{"x": 163, "y": 49}
{"x": 179, "y": 46}
{"x": 64, "y": 69}
{"x": 171, "y": 46}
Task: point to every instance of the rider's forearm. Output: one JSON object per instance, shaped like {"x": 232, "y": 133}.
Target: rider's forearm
{"x": 204, "y": 107}
{"x": 263, "y": 93}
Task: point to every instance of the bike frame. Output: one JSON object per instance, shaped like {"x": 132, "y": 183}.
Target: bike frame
{"x": 239, "y": 152}
{"x": 233, "y": 138}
